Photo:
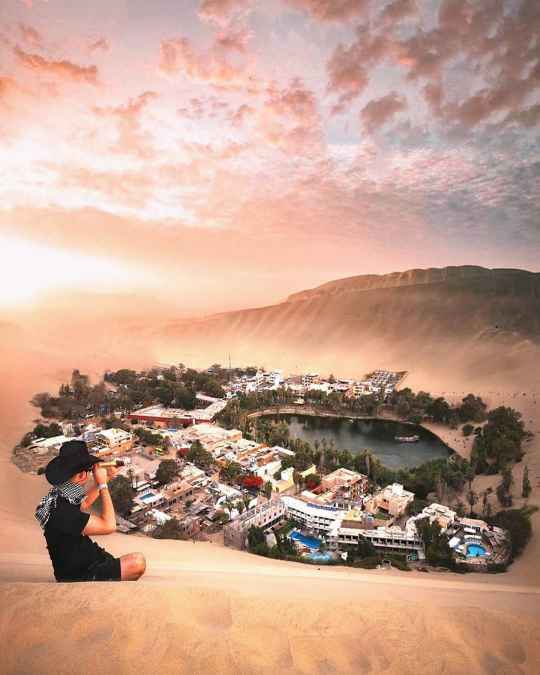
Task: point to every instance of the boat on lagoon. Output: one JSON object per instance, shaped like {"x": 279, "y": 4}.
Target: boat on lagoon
{"x": 407, "y": 439}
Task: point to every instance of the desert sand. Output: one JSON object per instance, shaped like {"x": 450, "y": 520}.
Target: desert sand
{"x": 202, "y": 608}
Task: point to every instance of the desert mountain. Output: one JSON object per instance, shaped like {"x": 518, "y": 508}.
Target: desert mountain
{"x": 460, "y": 319}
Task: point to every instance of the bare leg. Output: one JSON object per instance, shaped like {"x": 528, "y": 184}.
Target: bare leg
{"x": 133, "y": 566}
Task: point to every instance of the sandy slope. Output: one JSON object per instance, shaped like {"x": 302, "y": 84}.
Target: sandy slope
{"x": 203, "y": 609}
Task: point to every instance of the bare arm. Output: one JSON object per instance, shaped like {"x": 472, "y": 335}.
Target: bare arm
{"x": 91, "y": 496}
{"x": 105, "y": 523}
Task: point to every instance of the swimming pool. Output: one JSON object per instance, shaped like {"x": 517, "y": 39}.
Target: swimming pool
{"x": 147, "y": 496}
{"x": 475, "y": 551}
{"x": 319, "y": 557}
{"x": 310, "y": 542}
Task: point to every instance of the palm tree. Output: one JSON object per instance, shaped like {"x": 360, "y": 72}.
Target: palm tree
{"x": 472, "y": 498}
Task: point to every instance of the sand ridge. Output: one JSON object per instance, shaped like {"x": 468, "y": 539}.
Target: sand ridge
{"x": 205, "y": 609}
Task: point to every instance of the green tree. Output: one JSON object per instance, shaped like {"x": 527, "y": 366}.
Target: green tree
{"x": 230, "y": 471}
{"x": 467, "y": 429}
{"x": 121, "y": 494}
{"x": 503, "y": 489}
{"x": 472, "y": 408}
{"x": 257, "y": 541}
{"x": 199, "y": 456}
{"x": 47, "y": 431}
{"x": 526, "y": 483}
{"x": 485, "y": 501}
{"x": 184, "y": 397}
{"x": 436, "y": 543}
{"x": 364, "y": 549}
{"x": 268, "y": 489}
{"x": 517, "y": 523}
{"x": 472, "y": 498}
{"x": 171, "y": 529}
{"x": 166, "y": 471}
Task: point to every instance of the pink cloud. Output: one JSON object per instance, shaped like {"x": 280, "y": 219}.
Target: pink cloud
{"x": 290, "y": 118}
{"x": 378, "y": 112}
{"x": 233, "y": 40}
{"x": 332, "y": 10}
{"x": 102, "y": 44}
{"x": 131, "y": 138}
{"x": 221, "y": 11}
{"x": 178, "y": 56}
{"x": 466, "y": 34}
{"x": 127, "y": 188}
{"x": 397, "y": 11}
{"x": 8, "y": 87}
{"x": 65, "y": 70}
{"x": 349, "y": 66}
{"x": 241, "y": 114}
{"x": 530, "y": 117}
{"x": 30, "y": 35}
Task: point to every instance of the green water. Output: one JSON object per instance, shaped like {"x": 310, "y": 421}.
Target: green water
{"x": 375, "y": 435}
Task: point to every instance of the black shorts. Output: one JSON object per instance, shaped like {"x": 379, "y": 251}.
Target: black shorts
{"x": 106, "y": 569}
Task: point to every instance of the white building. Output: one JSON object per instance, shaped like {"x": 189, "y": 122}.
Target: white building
{"x": 42, "y": 446}
{"x": 309, "y": 379}
{"x": 265, "y": 515}
{"x": 392, "y": 539}
{"x": 442, "y": 514}
{"x": 115, "y": 439}
{"x": 312, "y": 516}
{"x": 268, "y": 470}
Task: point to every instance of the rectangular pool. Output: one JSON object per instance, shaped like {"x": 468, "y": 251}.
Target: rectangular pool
{"x": 310, "y": 542}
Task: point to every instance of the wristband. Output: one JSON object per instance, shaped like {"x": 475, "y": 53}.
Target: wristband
{"x": 102, "y": 486}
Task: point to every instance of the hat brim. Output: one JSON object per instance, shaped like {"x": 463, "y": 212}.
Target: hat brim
{"x": 59, "y": 471}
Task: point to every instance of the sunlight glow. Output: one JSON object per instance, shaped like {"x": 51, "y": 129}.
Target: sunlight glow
{"x": 28, "y": 269}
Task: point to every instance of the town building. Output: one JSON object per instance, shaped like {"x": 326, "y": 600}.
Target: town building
{"x": 265, "y": 515}
{"x": 315, "y": 517}
{"x": 115, "y": 441}
{"x": 214, "y": 439}
{"x": 41, "y": 446}
{"x": 437, "y": 512}
{"x": 309, "y": 379}
{"x": 389, "y": 539}
{"x": 162, "y": 416}
{"x": 393, "y": 500}
{"x": 285, "y": 482}
{"x": 345, "y": 483}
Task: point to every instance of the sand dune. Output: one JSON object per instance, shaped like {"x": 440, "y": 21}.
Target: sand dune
{"x": 205, "y": 609}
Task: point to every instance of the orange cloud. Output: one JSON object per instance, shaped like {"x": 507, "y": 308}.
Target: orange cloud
{"x": 233, "y": 40}
{"x": 177, "y": 55}
{"x": 290, "y": 118}
{"x": 332, "y": 10}
{"x": 65, "y": 70}
{"x": 131, "y": 138}
{"x": 220, "y": 11}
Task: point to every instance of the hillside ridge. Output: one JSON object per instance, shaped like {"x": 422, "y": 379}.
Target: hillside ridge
{"x": 417, "y": 277}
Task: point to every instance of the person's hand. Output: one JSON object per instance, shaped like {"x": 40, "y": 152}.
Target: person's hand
{"x": 100, "y": 474}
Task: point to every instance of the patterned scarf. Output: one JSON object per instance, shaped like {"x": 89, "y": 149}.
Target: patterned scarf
{"x": 70, "y": 491}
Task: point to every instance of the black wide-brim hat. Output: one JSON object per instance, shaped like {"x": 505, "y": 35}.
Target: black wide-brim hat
{"x": 72, "y": 458}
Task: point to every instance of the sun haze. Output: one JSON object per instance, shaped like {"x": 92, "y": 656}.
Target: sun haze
{"x": 286, "y": 142}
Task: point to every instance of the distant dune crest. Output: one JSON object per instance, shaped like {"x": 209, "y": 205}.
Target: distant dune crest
{"x": 449, "y": 323}
{"x": 432, "y": 275}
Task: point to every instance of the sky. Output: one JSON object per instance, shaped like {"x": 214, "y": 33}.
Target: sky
{"x": 220, "y": 154}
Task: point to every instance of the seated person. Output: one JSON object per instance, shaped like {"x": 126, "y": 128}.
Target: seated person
{"x": 66, "y": 526}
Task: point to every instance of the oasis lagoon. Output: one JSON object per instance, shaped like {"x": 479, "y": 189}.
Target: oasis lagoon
{"x": 376, "y": 435}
